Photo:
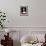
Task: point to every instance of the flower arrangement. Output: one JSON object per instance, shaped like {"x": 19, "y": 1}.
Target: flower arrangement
{"x": 2, "y": 19}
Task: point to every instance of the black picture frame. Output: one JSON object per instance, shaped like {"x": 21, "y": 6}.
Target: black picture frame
{"x": 23, "y": 11}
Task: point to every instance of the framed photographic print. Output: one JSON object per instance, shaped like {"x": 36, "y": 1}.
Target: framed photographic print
{"x": 23, "y": 11}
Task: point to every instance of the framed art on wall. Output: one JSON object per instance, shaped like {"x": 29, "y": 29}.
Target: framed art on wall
{"x": 23, "y": 11}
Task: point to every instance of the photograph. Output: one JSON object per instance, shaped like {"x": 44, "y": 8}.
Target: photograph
{"x": 23, "y": 11}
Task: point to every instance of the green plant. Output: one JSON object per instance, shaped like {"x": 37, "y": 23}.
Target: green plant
{"x": 2, "y": 19}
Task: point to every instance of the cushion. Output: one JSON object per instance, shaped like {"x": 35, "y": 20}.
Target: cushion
{"x": 26, "y": 39}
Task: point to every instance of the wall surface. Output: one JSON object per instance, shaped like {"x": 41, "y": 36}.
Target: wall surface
{"x": 35, "y": 21}
{"x": 36, "y": 13}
